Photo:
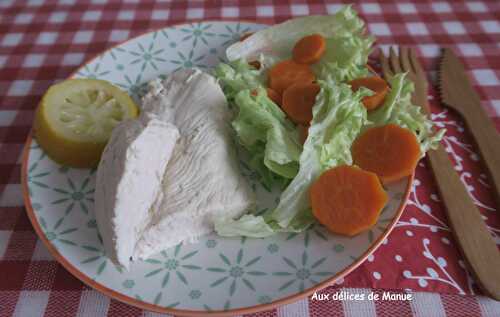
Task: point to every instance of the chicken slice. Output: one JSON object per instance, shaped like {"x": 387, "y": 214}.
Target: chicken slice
{"x": 128, "y": 181}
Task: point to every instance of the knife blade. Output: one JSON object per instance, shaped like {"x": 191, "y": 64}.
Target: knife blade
{"x": 456, "y": 88}
{"x": 458, "y": 93}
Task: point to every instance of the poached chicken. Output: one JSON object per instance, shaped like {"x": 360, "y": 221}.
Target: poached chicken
{"x": 170, "y": 190}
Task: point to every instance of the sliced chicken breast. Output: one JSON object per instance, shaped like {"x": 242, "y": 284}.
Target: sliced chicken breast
{"x": 128, "y": 181}
{"x": 164, "y": 176}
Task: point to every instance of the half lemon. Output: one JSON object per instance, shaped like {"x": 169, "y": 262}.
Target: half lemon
{"x": 75, "y": 119}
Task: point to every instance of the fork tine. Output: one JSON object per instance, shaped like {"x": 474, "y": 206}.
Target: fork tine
{"x": 414, "y": 62}
{"x": 405, "y": 62}
{"x": 385, "y": 65}
{"x": 393, "y": 58}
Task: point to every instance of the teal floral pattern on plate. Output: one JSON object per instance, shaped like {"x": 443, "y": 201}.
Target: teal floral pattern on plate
{"x": 236, "y": 271}
{"x": 173, "y": 264}
{"x": 215, "y": 273}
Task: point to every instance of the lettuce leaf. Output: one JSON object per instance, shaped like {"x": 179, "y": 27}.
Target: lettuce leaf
{"x": 237, "y": 76}
{"x": 345, "y": 58}
{"x": 269, "y": 137}
{"x": 261, "y": 226}
{"x": 248, "y": 225}
{"x": 342, "y": 74}
{"x": 277, "y": 41}
{"x": 262, "y": 128}
{"x": 398, "y": 109}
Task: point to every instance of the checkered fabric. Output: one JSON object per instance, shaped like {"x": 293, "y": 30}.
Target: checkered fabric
{"x": 41, "y": 42}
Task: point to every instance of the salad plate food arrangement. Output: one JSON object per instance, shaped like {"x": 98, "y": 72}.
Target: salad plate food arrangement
{"x": 223, "y": 167}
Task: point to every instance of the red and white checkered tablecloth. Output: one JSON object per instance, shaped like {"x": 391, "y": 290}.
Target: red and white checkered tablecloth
{"x": 44, "y": 41}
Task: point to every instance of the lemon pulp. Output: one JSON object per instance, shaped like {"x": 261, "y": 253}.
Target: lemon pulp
{"x": 76, "y": 117}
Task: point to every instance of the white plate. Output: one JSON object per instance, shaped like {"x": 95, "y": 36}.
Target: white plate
{"x": 215, "y": 274}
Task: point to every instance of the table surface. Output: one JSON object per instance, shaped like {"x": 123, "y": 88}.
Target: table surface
{"x": 44, "y": 41}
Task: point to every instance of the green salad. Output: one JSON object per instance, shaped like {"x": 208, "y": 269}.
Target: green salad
{"x": 272, "y": 140}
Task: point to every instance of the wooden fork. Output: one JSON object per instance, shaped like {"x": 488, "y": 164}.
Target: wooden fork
{"x": 469, "y": 229}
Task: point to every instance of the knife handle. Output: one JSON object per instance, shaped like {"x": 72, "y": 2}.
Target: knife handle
{"x": 488, "y": 142}
{"x": 474, "y": 239}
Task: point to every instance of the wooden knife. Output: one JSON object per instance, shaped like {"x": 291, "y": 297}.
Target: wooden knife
{"x": 477, "y": 244}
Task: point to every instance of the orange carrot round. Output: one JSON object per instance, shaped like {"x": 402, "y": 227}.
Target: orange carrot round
{"x": 284, "y": 74}
{"x": 377, "y": 85}
{"x": 245, "y": 36}
{"x": 298, "y": 101}
{"x": 309, "y": 49}
{"x": 389, "y": 151}
{"x": 347, "y": 200}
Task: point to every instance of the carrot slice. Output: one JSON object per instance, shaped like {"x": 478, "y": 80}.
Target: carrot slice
{"x": 303, "y": 132}
{"x": 347, "y": 200}
{"x": 274, "y": 96}
{"x": 309, "y": 49}
{"x": 245, "y": 36}
{"x": 298, "y": 101}
{"x": 255, "y": 64}
{"x": 389, "y": 151}
{"x": 374, "y": 83}
{"x": 288, "y": 72}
